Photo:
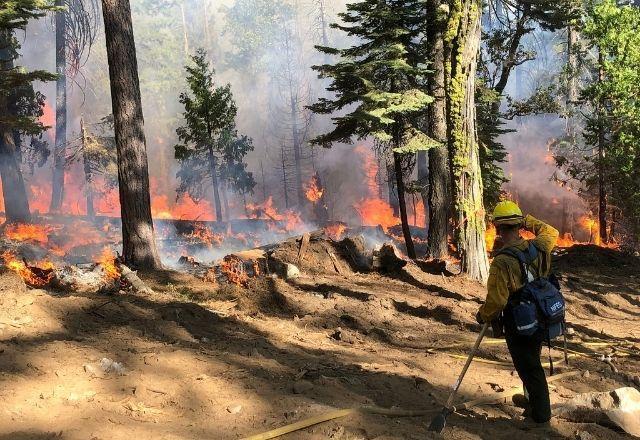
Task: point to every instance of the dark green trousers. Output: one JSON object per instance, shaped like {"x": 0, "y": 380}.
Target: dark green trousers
{"x": 525, "y": 353}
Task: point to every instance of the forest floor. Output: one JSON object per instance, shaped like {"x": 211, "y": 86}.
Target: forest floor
{"x": 225, "y": 365}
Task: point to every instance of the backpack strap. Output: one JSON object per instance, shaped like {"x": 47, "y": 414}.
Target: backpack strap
{"x": 525, "y": 258}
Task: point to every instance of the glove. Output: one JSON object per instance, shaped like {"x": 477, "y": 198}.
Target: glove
{"x": 479, "y": 318}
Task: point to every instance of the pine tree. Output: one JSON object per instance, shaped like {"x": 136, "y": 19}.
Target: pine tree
{"x": 20, "y": 106}
{"x": 138, "y": 237}
{"x": 382, "y": 76}
{"x": 210, "y": 148}
{"x": 606, "y": 160}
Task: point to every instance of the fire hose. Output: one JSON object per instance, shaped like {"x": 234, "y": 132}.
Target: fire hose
{"x": 389, "y": 412}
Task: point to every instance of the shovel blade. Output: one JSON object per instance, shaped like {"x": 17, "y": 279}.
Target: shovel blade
{"x": 439, "y": 422}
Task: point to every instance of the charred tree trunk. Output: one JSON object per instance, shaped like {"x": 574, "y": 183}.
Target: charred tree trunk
{"x": 59, "y": 154}
{"x": 138, "y": 239}
{"x": 213, "y": 165}
{"x": 406, "y": 231}
{"x": 16, "y": 203}
{"x": 392, "y": 187}
{"x": 439, "y": 196}
{"x": 88, "y": 175}
{"x": 462, "y": 42}
{"x": 602, "y": 193}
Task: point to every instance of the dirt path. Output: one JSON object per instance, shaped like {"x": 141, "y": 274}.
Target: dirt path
{"x": 240, "y": 362}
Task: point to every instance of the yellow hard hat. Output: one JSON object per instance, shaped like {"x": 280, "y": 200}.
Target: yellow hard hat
{"x": 507, "y": 213}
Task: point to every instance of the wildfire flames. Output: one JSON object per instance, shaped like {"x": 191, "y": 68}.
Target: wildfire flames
{"x": 107, "y": 260}
{"x": 38, "y": 275}
{"x": 373, "y": 211}
{"x": 205, "y": 235}
{"x": 335, "y": 231}
{"x": 291, "y": 220}
{"x": 233, "y": 268}
{"x": 314, "y": 192}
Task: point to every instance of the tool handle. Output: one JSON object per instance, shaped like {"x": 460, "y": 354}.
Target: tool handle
{"x": 456, "y": 386}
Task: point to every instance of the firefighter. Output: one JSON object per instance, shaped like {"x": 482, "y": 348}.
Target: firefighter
{"x": 505, "y": 278}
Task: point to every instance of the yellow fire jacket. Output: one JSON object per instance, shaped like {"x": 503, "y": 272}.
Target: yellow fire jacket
{"x": 505, "y": 275}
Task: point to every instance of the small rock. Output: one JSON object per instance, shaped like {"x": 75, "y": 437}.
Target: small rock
{"x": 234, "y": 409}
{"x": 586, "y": 374}
{"x": 570, "y": 331}
{"x": 584, "y": 435}
{"x": 92, "y": 371}
{"x": 111, "y": 366}
{"x": 337, "y": 334}
{"x": 291, "y": 271}
{"x": 202, "y": 377}
{"x": 302, "y": 386}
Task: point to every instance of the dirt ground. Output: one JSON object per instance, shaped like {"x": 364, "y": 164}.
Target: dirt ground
{"x": 195, "y": 363}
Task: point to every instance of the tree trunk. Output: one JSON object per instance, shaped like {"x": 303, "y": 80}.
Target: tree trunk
{"x": 185, "y": 36}
{"x": 285, "y": 181}
{"x": 392, "y": 187}
{"x": 297, "y": 155}
{"x": 213, "y": 164}
{"x": 264, "y": 185}
{"x": 462, "y": 42}
{"x": 439, "y": 195}
{"x": 16, "y": 203}
{"x": 572, "y": 83}
{"x": 59, "y": 154}
{"x": 406, "y": 231}
{"x": 602, "y": 194}
{"x": 88, "y": 175}
{"x": 423, "y": 180}
{"x": 225, "y": 202}
{"x": 138, "y": 240}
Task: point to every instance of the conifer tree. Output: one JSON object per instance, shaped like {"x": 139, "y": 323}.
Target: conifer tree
{"x": 20, "y": 106}
{"x": 210, "y": 148}
{"x": 380, "y": 79}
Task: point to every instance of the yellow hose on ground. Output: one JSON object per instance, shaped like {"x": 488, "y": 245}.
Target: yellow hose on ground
{"x": 390, "y": 412}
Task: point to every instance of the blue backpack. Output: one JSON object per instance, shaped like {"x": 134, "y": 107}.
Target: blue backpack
{"x": 537, "y": 309}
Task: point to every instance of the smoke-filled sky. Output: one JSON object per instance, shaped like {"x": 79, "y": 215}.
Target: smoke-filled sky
{"x": 264, "y": 64}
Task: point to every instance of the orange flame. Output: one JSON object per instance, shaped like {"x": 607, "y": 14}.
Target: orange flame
{"x": 107, "y": 260}
{"x": 28, "y": 232}
{"x": 205, "y": 234}
{"x": 28, "y": 273}
{"x": 314, "y": 192}
{"x": 335, "y": 231}
{"x": 267, "y": 211}
{"x": 233, "y": 268}
{"x": 372, "y": 210}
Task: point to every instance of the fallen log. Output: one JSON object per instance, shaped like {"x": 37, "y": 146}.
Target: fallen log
{"x": 134, "y": 280}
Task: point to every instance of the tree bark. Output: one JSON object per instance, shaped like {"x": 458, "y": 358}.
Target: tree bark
{"x": 439, "y": 195}
{"x": 602, "y": 193}
{"x": 423, "y": 179}
{"x": 406, "y": 231}
{"x": 572, "y": 81}
{"x": 88, "y": 175}
{"x": 462, "y": 42}
{"x": 297, "y": 154}
{"x": 185, "y": 36}
{"x": 59, "y": 155}
{"x": 138, "y": 239}
{"x": 16, "y": 203}
{"x": 213, "y": 164}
